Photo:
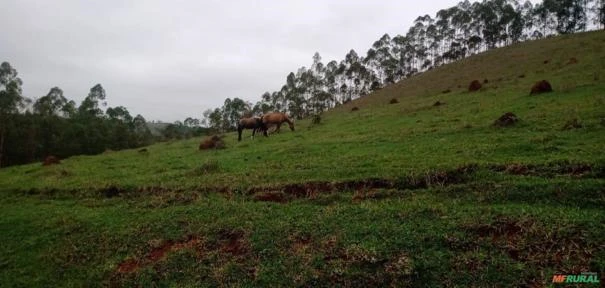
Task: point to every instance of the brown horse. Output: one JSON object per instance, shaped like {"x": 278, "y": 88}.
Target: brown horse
{"x": 275, "y": 118}
{"x": 254, "y": 123}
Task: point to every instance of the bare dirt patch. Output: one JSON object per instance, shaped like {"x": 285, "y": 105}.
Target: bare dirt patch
{"x": 541, "y": 87}
{"x": 51, "y": 160}
{"x": 474, "y": 86}
{"x": 277, "y": 197}
{"x": 157, "y": 254}
{"x": 394, "y": 101}
{"x": 354, "y": 109}
{"x": 508, "y": 119}
{"x": 212, "y": 142}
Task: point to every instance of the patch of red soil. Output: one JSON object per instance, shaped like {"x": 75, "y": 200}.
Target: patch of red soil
{"x": 541, "y": 87}
{"x": 128, "y": 266}
{"x": 212, "y": 142}
{"x": 51, "y": 160}
{"x": 157, "y": 254}
{"x": 277, "y": 197}
{"x": 474, "y": 86}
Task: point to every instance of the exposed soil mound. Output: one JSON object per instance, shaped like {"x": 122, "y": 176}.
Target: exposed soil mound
{"x": 277, "y": 197}
{"x": 51, "y": 160}
{"x": 474, "y": 86}
{"x": 546, "y": 61}
{"x": 438, "y": 103}
{"x": 485, "y": 81}
{"x": 508, "y": 119}
{"x": 541, "y": 87}
{"x": 157, "y": 254}
{"x": 212, "y": 142}
{"x": 572, "y": 61}
{"x": 522, "y": 76}
{"x": 355, "y": 109}
{"x": 393, "y": 101}
{"x": 446, "y": 91}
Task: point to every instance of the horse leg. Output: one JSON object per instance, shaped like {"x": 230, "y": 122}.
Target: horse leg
{"x": 239, "y": 134}
{"x": 253, "y": 132}
{"x": 278, "y": 126}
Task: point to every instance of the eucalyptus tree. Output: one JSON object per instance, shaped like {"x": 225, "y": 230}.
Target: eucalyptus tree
{"x": 53, "y": 104}
{"x": 11, "y": 100}
{"x": 120, "y": 128}
{"x": 95, "y": 98}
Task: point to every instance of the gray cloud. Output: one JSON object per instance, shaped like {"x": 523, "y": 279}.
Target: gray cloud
{"x": 168, "y": 60}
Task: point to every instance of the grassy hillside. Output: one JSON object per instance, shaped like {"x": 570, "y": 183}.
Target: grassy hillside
{"x": 407, "y": 193}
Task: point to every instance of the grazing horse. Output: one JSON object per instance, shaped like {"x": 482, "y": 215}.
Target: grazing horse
{"x": 254, "y": 123}
{"x": 275, "y": 118}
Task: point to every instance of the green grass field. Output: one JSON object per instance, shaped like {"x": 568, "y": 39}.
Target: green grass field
{"x": 405, "y": 194}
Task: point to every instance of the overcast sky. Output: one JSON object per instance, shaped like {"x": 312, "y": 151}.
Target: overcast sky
{"x": 169, "y": 60}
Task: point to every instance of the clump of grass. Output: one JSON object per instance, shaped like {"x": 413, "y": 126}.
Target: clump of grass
{"x": 210, "y": 166}
{"x": 572, "y": 124}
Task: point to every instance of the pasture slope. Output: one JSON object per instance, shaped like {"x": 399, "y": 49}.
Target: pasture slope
{"x": 407, "y": 194}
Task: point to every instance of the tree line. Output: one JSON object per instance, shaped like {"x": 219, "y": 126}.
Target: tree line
{"x": 452, "y": 34}
{"x": 53, "y": 125}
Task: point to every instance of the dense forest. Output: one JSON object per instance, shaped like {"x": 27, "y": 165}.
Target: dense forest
{"x": 52, "y": 125}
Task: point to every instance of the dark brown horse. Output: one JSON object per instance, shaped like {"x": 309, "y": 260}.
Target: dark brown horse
{"x": 254, "y": 123}
{"x": 275, "y": 118}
